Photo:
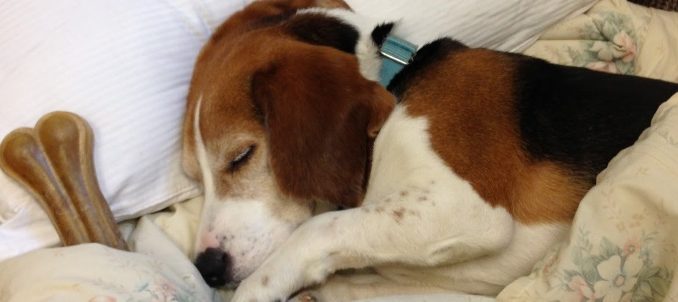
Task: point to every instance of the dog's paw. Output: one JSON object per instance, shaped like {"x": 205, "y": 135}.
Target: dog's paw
{"x": 306, "y": 296}
{"x": 256, "y": 289}
{"x": 275, "y": 281}
{"x": 285, "y": 272}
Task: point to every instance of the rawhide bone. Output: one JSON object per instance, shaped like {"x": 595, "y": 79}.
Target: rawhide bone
{"x": 54, "y": 162}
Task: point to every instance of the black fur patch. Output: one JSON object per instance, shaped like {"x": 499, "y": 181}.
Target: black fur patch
{"x": 425, "y": 56}
{"x": 324, "y": 30}
{"x": 380, "y": 33}
{"x": 581, "y": 117}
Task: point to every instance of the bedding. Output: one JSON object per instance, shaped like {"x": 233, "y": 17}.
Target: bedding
{"x": 125, "y": 67}
{"x": 157, "y": 271}
{"x": 509, "y": 25}
{"x": 615, "y": 36}
{"x": 619, "y": 249}
{"x": 622, "y": 245}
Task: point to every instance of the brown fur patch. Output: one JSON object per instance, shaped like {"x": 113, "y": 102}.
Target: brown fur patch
{"x": 318, "y": 134}
{"x": 220, "y": 44}
{"x": 474, "y": 128}
{"x": 398, "y": 214}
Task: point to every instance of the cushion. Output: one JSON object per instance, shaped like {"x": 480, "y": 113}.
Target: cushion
{"x": 125, "y": 66}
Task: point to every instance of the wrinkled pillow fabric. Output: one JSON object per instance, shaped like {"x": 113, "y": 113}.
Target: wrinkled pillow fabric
{"x": 508, "y": 25}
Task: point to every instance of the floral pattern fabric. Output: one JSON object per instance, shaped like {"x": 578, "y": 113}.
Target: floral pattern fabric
{"x": 603, "y": 40}
{"x": 617, "y": 37}
{"x": 623, "y": 245}
{"x": 157, "y": 272}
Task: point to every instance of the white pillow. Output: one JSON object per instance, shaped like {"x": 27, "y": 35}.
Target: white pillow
{"x": 125, "y": 66}
{"x": 507, "y": 25}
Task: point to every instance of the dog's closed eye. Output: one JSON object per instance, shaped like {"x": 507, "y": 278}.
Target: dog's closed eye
{"x": 239, "y": 160}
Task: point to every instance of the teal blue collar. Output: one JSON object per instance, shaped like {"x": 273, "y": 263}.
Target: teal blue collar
{"x": 396, "y": 53}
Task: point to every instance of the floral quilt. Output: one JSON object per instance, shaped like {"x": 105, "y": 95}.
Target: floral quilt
{"x": 624, "y": 240}
{"x": 157, "y": 272}
{"x": 615, "y": 36}
{"x": 623, "y": 245}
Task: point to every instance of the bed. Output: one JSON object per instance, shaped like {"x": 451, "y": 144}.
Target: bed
{"x": 622, "y": 244}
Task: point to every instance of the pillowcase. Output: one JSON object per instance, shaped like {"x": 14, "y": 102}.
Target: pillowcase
{"x": 124, "y": 66}
{"x": 508, "y": 25}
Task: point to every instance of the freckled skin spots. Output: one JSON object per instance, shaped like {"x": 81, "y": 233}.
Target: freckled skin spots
{"x": 364, "y": 209}
{"x": 333, "y": 222}
{"x": 398, "y": 214}
{"x": 403, "y": 193}
{"x": 379, "y": 210}
{"x": 422, "y": 198}
{"x": 264, "y": 281}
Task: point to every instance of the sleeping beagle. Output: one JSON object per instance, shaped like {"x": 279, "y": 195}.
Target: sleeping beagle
{"x": 458, "y": 176}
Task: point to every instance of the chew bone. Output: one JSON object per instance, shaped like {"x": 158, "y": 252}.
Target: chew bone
{"x": 54, "y": 162}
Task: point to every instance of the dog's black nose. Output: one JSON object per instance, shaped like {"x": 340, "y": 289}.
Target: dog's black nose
{"x": 215, "y": 267}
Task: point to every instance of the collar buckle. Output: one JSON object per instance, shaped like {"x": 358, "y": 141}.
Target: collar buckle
{"x": 397, "y": 54}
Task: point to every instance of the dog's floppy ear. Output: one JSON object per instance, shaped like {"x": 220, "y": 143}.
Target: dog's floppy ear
{"x": 321, "y": 116}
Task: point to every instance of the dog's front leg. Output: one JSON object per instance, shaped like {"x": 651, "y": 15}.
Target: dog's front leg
{"x": 353, "y": 286}
{"x": 421, "y": 228}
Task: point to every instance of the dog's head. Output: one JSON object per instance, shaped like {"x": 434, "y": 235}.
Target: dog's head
{"x": 278, "y": 117}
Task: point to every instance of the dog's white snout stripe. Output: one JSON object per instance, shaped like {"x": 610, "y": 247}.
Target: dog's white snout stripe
{"x": 209, "y": 193}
